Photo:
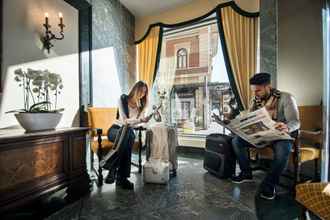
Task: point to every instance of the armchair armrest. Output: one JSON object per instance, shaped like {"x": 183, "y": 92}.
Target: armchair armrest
{"x": 99, "y": 135}
{"x": 308, "y": 133}
{"x": 95, "y": 131}
{"x": 99, "y": 141}
{"x": 311, "y": 137}
{"x": 99, "y": 131}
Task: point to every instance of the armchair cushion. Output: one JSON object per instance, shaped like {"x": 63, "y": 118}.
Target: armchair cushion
{"x": 108, "y": 145}
{"x": 309, "y": 153}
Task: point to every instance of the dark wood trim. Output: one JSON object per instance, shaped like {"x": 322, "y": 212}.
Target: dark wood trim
{"x": 85, "y": 56}
{"x": 12, "y": 135}
{"x": 79, "y": 4}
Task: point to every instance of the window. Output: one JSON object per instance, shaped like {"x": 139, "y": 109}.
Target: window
{"x": 181, "y": 58}
{"x": 193, "y": 93}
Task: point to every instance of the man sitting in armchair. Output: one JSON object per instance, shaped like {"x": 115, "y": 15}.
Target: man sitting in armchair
{"x": 283, "y": 109}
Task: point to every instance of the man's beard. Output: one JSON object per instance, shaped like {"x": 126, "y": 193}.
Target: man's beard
{"x": 266, "y": 96}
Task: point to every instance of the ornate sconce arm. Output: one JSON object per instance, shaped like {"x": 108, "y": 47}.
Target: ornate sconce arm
{"x": 49, "y": 35}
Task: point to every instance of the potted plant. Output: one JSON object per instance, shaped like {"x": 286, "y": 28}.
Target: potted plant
{"x": 40, "y": 92}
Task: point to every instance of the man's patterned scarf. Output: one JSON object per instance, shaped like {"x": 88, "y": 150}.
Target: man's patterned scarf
{"x": 269, "y": 103}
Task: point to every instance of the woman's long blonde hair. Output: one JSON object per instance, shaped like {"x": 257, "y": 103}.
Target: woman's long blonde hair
{"x": 141, "y": 103}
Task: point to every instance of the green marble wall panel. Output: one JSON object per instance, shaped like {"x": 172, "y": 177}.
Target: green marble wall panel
{"x": 269, "y": 38}
{"x": 113, "y": 27}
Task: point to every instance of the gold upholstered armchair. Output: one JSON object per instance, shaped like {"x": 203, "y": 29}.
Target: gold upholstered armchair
{"x": 310, "y": 137}
{"x": 314, "y": 197}
{"x": 100, "y": 120}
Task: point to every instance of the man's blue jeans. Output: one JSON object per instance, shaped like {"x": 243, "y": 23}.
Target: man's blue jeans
{"x": 281, "y": 150}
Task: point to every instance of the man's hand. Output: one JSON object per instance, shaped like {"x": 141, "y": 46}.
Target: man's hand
{"x": 215, "y": 117}
{"x": 281, "y": 127}
{"x": 218, "y": 119}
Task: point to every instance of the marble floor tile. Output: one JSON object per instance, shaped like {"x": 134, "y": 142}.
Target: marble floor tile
{"x": 192, "y": 194}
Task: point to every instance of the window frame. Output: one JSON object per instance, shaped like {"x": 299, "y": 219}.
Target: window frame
{"x": 180, "y": 58}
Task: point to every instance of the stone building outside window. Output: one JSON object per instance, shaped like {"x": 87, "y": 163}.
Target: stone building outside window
{"x": 193, "y": 74}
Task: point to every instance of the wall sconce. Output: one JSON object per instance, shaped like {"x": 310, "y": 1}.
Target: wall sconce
{"x": 49, "y": 36}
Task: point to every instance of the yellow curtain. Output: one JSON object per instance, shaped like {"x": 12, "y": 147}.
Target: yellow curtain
{"x": 147, "y": 55}
{"x": 241, "y": 40}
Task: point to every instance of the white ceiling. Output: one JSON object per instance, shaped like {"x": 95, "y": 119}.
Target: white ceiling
{"x": 141, "y": 8}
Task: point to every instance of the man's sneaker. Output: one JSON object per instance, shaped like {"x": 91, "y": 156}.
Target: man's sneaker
{"x": 268, "y": 194}
{"x": 242, "y": 178}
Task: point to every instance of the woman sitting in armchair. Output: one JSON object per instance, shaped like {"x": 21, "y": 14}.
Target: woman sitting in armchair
{"x": 131, "y": 110}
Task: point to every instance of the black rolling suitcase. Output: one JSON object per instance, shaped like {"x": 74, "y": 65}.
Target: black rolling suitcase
{"x": 219, "y": 157}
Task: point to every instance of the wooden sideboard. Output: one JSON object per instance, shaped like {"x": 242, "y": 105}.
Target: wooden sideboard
{"x": 34, "y": 164}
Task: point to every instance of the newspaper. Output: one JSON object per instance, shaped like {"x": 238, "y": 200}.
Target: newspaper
{"x": 255, "y": 127}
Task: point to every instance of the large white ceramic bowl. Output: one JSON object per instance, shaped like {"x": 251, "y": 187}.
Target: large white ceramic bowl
{"x": 38, "y": 121}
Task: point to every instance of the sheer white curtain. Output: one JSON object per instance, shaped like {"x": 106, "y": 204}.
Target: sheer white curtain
{"x": 163, "y": 84}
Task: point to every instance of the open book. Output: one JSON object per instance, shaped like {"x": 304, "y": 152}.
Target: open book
{"x": 255, "y": 127}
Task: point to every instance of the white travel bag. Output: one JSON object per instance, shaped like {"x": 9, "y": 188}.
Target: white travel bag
{"x": 156, "y": 171}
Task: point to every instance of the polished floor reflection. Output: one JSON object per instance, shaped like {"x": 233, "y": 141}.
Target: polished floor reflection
{"x": 193, "y": 194}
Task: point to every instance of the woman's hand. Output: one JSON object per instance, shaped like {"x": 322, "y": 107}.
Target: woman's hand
{"x": 281, "y": 127}
{"x": 146, "y": 119}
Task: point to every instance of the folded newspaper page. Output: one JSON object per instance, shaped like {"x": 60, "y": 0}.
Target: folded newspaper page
{"x": 256, "y": 127}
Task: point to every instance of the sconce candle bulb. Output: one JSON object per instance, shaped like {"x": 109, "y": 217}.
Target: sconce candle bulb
{"x": 61, "y": 25}
{"x": 46, "y": 18}
{"x": 48, "y": 33}
{"x": 60, "y": 15}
